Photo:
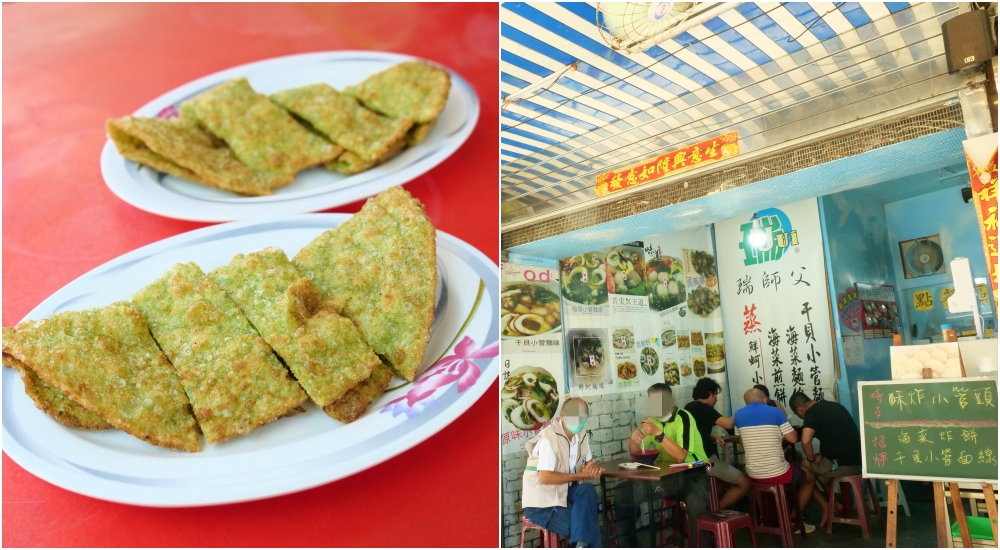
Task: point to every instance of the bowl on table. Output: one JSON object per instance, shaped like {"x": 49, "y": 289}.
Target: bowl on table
{"x": 646, "y": 457}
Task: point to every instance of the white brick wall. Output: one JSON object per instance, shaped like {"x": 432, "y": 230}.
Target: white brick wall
{"x": 611, "y": 422}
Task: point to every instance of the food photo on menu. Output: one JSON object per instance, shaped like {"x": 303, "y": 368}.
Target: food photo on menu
{"x": 265, "y": 295}
{"x": 771, "y": 231}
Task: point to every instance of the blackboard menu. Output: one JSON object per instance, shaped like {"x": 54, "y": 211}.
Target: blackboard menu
{"x": 930, "y": 429}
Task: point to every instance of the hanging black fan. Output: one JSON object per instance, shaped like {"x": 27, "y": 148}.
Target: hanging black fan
{"x": 924, "y": 257}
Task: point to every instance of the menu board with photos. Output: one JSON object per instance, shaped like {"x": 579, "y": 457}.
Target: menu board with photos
{"x": 685, "y": 308}
{"x": 587, "y": 346}
{"x": 628, "y": 314}
{"x": 531, "y": 352}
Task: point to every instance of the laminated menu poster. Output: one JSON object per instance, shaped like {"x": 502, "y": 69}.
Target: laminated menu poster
{"x": 531, "y": 352}
{"x": 632, "y": 341}
{"x": 587, "y": 346}
{"x": 685, "y": 308}
{"x": 777, "y": 316}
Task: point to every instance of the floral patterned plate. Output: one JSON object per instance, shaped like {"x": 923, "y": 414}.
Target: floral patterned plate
{"x": 290, "y": 454}
{"x": 313, "y": 189}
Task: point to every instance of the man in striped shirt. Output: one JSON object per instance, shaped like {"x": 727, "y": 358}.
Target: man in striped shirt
{"x": 761, "y": 430}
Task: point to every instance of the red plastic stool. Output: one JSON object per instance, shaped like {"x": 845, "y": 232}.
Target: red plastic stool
{"x": 853, "y": 484}
{"x": 677, "y": 524}
{"x": 713, "y": 501}
{"x": 676, "y": 521}
{"x": 723, "y": 524}
{"x": 786, "y": 523}
{"x": 549, "y": 538}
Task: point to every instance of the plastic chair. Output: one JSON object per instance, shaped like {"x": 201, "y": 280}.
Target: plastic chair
{"x": 677, "y": 530}
{"x": 677, "y": 524}
{"x": 722, "y": 524}
{"x": 855, "y": 484}
{"x": 786, "y": 523}
{"x": 549, "y": 539}
{"x": 883, "y": 492}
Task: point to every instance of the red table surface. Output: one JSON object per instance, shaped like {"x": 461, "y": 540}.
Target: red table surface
{"x": 69, "y": 67}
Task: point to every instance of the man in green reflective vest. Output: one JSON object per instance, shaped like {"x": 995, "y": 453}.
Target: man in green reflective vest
{"x": 674, "y": 433}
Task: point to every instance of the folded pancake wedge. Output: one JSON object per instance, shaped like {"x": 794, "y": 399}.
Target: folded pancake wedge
{"x": 134, "y": 149}
{"x": 105, "y": 360}
{"x": 261, "y": 134}
{"x": 381, "y": 264}
{"x": 53, "y": 402}
{"x": 419, "y": 133}
{"x": 182, "y": 149}
{"x": 234, "y": 381}
{"x": 350, "y": 163}
{"x": 326, "y": 352}
{"x": 343, "y": 120}
{"x": 415, "y": 89}
{"x": 355, "y": 402}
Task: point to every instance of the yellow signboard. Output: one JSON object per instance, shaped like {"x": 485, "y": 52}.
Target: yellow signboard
{"x": 923, "y": 300}
{"x": 984, "y": 294}
{"x": 945, "y": 294}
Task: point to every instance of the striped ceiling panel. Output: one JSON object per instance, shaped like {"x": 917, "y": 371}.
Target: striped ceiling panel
{"x": 751, "y": 68}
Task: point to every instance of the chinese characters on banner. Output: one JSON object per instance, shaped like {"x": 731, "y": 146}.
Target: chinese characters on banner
{"x": 981, "y": 158}
{"x": 685, "y": 308}
{"x": 690, "y": 157}
{"x": 531, "y": 368}
{"x": 777, "y": 317}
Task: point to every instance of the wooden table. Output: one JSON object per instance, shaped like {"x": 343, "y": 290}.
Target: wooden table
{"x": 641, "y": 474}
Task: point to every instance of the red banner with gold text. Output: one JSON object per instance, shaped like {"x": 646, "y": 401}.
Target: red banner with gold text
{"x": 681, "y": 160}
{"x": 981, "y": 158}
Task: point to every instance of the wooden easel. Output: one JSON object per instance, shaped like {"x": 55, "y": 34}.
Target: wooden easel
{"x": 943, "y": 529}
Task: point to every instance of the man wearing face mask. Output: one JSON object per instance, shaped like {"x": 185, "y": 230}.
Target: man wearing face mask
{"x": 553, "y": 493}
{"x": 674, "y": 432}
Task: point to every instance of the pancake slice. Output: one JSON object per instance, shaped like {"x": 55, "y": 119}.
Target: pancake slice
{"x": 234, "y": 381}
{"x": 351, "y": 163}
{"x": 105, "y": 360}
{"x": 412, "y": 89}
{"x": 326, "y": 352}
{"x": 382, "y": 265}
{"x": 343, "y": 120}
{"x": 180, "y": 148}
{"x": 53, "y": 402}
{"x": 355, "y": 402}
{"x": 260, "y": 133}
{"x": 419, "y": 132}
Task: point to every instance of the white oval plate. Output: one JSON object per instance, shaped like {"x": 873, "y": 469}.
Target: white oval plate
{"x": 290, "y": 454}
{"x": 313, "y": 189}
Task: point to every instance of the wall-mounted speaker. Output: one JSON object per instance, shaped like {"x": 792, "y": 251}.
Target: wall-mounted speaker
{"x": 968, "y": 40}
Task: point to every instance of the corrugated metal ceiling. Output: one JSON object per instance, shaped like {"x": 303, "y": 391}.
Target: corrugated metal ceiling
{"x": 760, "y": 68}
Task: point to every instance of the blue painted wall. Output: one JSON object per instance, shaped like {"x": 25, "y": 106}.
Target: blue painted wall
{"x": 857, "y": 241}
{"x": 942, "y": 212}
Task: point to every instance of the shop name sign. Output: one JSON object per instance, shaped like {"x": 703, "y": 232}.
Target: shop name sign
{"x": 681, "y": 160}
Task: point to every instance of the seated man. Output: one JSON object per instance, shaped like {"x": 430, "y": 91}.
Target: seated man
{"x": 674, "y": 432}
{"x": 552, "y": 494}
{"x": 772, "y": 402}
{"x": 761, "y": 429}
{"x": 706, "y": 395}
{"x": 840, "y": 440}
